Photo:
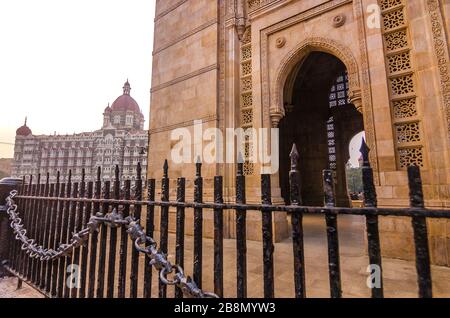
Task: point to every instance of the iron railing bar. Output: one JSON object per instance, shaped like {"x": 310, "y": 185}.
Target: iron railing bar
{"x": 334, "y": 268}
{"x": 101, "y": 271}
{"x": 407, "y": 212}
{"x": 85, "y": 251}
{"x": 298, "y": 247}
{"x": 113, "y": 240}
{"x": 124, "y": 245}
{"x": 198, "y": 226}
{"x": 241, "y": 235}
{"x": 149, "y": 227}
{"x": 70, "y": 229}
{"x": 267, "y": 238}
{"x": 218, "y": 238}
{"x": 134, "y": 277}
{"x": 421, "y": 245}
{"x": 164, "y": 222}
{"x": 180, "y": 216}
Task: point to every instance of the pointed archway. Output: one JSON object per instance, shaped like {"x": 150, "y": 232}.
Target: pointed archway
{"x": 321, "y": 120}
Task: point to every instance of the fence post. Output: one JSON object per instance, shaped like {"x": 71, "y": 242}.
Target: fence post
{"x": 198, "y": 225}
{"x": 419, "y": 224}
{"x": 373, "y": 235}
{"x": 267, "y": 237}
{"x": 134, "y": 275}
{"x": 164, "y": 221}
{"x": 297, "y": 226}
{"x": 218, "y": 237}
{"x": 332, "y": 236}
{"x": 149, "y": 227}
{"x": 241, "y": 233}
{"x": 179, "y": 249}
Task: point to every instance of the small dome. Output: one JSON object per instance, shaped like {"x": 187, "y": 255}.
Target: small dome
{"x": 126, "y": 102}
{"x": 24, "y": 130}
{"x": 108, "y": 109}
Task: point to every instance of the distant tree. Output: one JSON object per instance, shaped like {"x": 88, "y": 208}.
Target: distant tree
{"x": 354, "y": 179}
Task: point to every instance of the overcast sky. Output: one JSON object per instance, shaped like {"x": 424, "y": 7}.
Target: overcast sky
{"x": 62, "y": 61}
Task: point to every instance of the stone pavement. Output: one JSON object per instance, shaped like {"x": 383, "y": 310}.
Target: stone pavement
{"x": 8, "y": 289}
{"x": 399, "y": 276}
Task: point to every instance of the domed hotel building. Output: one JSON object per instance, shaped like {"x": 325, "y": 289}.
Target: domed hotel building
{"x": 121, "y": 141}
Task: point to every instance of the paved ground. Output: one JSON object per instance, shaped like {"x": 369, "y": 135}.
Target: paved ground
{"x": 8, "y": 289}
{"x": 399, "y": 276}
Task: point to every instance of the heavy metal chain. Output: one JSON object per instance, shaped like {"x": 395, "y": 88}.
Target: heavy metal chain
{"x": 143, "y": 243}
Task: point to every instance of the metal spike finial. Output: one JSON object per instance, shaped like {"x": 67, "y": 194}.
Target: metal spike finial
{"x": 294, "y": 155}
{"x": 116, "y": 172}
{"x": 99, "y": 173}
{"x": 58, "y": 176}
{"x": 365, "y": 151}
{"x": 240, "y": 166}
{"x": 198, "y": 167}
{"x": 166, "y": 168}
{"x": 83, "y": 175}
{"x": 139, "y": 171}
{"x": 240, "y": 157}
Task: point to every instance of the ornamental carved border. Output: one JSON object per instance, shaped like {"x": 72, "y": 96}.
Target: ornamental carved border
{"x": 254, "y": 5}
{"x": 442, "y": 54}
{"x": 366, "y": 92}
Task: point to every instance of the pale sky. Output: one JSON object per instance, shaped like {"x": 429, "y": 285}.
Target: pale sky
{"x": 355, "y": 145}
{"x": 62, "y": 61}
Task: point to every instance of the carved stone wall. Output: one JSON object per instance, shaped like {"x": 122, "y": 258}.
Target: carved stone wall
{"x": 402, "y": 84}
{"x": 247, "y": 98}
{"x": 441, "y": 50}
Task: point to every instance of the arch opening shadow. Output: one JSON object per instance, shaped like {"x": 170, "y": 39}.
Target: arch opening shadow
{"x": 321, "y": 121}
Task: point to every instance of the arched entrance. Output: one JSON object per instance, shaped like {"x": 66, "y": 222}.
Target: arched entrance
{"x": 320, "y": 119}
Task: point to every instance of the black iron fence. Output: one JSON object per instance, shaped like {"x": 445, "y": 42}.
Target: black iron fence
{"x": 59, "y": 224}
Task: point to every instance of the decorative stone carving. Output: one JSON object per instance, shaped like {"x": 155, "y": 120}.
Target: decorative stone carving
{"x": 339, "y": 20}
{"x": 241, "y": 18}
{"x": 401, "y": 77}
{"x": 281, "y": 41}
{"x": 356, "y": 99}
{"x": 442, "y": 54}
{"x": 246, "y": 110}
{"x": 276, "y": 117}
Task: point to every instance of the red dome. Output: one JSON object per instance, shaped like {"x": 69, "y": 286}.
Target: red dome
{"x": 23, "y": 131}
{"x": 125, "y": 103}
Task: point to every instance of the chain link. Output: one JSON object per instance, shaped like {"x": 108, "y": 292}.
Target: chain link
{"x": 142, "y": 243}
